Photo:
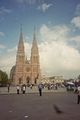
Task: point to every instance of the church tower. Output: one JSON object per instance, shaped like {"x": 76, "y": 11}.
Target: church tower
{"x": 20, "y": 61}
{"x": 35, "y": 66}
{"x": 26, "y": 71}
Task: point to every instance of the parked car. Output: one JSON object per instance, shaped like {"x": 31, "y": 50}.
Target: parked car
{"x": 70, "y": 86}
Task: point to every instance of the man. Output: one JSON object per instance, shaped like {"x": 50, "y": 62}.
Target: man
{"x": 17, "y": 89}
{"x": 40, "y": 89}
{"x": 78, "y": 96}
{"x": 24, "y": 89}
{"x": 8, "y": 87}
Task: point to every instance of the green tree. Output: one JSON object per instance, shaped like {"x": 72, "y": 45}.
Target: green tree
{"x": 79, "y": 77}
{"x": 3, "y": 78}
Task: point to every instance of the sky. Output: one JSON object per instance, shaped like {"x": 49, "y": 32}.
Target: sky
{"x": 57, "y": 25}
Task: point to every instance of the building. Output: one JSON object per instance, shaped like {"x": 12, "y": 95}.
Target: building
{"x": 52, "y": 80}
{"x": 57, "y": 79}
{"x": 26, "y": 71}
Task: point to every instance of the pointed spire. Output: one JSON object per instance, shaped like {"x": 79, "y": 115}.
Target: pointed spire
{"x": 21, "y": 42}
{"x": 21, "y": 28}
{"x": 21, "y": 35}
{"x": 34, "y": 38}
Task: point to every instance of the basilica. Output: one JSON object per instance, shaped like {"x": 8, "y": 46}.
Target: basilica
{"x": 26, "y": 71}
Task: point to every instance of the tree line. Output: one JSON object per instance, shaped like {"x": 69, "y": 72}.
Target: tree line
{"x": 3, "y": 78}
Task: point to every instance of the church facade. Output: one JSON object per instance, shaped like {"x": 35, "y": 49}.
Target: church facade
{"x": 26, "y": 71}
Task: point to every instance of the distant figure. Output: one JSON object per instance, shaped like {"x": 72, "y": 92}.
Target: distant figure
{"x": 76, "y": 90}
{"x": 78, "y": 96}
{"x": 56, "y": 87}
{"x": 24, "y": 89}
{"x": 48, "y": 86}
{"x": 21, "y": 89}
{"x": 40, "y": 89}
{"x": 8, "y": 87}
{"x": 17, "y": 89}
{"x": 57, "y": 109}
{"x": 31, "y": 86}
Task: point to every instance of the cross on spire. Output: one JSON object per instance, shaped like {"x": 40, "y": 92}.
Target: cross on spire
{"x": 20, "y": 27}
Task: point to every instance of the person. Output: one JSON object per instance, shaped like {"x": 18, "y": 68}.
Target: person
{"x": 56, "y": 87}
{"x": 31, "y": 86}
{"x": 48, "y": 86}
{"x": 17, "y": 89}
{"x": 78, "y": 96}
{"x": 24, "y": 89}
{"x": 8, "y": 87}
{"x": 40, "y": 89}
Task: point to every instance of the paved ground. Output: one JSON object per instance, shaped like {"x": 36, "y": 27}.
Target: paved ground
{"x": 33, "y": 107}
{"x": 4, "y": 90}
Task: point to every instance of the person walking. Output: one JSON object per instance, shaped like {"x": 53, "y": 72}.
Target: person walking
{"x": 78, "y": 96}
{"x": 24, "y": 89}
{"x": 17, "y": 89}
{"x": 8, "y": 86}
{"x": 31, "y": 86}
{"x": 40, "y": 89}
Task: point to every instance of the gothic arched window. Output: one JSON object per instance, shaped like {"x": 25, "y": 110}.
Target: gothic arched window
{"x": 20, "y": 80}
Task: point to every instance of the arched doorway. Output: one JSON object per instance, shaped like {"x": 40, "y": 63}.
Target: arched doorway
{"x": 28, "y": 80}
{"x": 20, "y": 80}
{"x": 35, "y": 81}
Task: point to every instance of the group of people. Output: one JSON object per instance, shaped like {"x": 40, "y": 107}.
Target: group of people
{"x": 23, "y": 89}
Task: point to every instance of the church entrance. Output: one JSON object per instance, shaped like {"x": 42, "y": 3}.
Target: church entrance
{"x": 20, "y": 81}
{"x": 35, "y": 81}
{"x": 28, "y": 80}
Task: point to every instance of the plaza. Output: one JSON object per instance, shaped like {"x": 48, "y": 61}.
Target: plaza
{"x": 13, "y": 90}
{"x": 31, "y": 106}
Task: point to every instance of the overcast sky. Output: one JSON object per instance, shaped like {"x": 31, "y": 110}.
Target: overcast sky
{"x": 57, "y": 30}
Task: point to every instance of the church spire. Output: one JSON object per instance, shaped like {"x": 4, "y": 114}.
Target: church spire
{"x": 21, "y": 28}
{"x": 21, "y": 42}
{"x": 34, "y": 44}
{"x": 20, "y": 59}
{"x": 20, "y": 50}
{"x": 35, "y": 67}
{"x": 21, "y": 35}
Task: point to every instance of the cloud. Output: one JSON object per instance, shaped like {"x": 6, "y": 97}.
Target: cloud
{"x": 56, "y": 33}
{"x": 27, "y": 38}
{"x": 7, "y": 61}
{"x": 4, "y": 10}
{"x": 2, "y": 46}
{"x": 56, "y": 56}
{"x": 76, "y": 21}
{"x": 76, "y": 42}
{"x": 12, "y": 49}
{"x": 76, "y": 38}
{"x": 27, "y": 49}
{"x": 44, "y": 7}
{"x": 2, "y": 34}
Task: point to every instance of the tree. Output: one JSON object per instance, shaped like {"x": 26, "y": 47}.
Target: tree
{"x": 79, "y": 77}
{"x": 3, "y": 78}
